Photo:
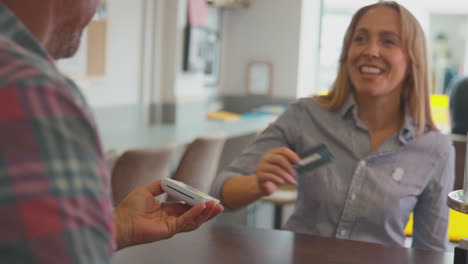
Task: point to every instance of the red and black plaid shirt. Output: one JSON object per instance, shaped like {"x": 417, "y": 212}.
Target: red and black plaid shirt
{"x": 54, "y": 184}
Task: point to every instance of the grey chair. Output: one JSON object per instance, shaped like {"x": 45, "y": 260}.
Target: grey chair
{"x": 459, "y": 143}
{"x": 111, "y": 157}
{"x": 138, "y": 167}
{"x": 199, "y": 163}
{"x": 459, "y": 106}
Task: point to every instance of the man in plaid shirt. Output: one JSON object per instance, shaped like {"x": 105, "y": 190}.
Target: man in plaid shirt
{"x": 54, "y": 184}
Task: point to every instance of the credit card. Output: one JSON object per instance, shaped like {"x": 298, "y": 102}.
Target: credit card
{"x": 315, "y": 157}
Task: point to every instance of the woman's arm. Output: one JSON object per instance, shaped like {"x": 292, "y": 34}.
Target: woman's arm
{"x": 240, "y": 191}
{"x": 431, "y": 211}
{"x": 264, "y": 165}
{"x": 274, "y": 169}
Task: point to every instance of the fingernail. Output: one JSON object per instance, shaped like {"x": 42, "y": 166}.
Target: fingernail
{"x": 293, "y": 181}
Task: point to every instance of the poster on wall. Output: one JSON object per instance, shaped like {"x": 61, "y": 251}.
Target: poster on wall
{"x": 259, "y": 78}
{"x": 211, "y": 69}
{"x": 197, "y": 13}
{"x": 195, "y": 49}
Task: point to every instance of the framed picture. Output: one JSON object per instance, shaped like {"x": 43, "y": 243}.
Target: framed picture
{"x": 213, "y": 48}
{"x": 195, "y": 49}
{"x": 259, "y": 78}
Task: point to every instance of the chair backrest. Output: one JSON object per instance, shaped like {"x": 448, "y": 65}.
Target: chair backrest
{"x": 111, "y": 157}
{"x": 458, "y": 105}
{"x": 233, "y": 147}
{"x": 199, "y": 162}
{"x": 459, "y": 142}
{"x": 138, "y": 167}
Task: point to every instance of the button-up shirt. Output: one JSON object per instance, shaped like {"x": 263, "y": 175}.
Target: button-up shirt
{"x": 362, "y": 195}
{"x": 54, "y": 185}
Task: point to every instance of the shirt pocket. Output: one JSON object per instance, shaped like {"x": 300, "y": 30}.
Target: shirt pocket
{"x": 408, "y": 180}
{"x": 404, "y": 185}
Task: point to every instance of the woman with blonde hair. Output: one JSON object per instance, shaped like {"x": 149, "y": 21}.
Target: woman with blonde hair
{"x": 389, "y": 159}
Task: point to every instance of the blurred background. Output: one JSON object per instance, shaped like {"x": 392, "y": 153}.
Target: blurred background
{"x": 176, "y": 60}
{"x": 159, "y": 72}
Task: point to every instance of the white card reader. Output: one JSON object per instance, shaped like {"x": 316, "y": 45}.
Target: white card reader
{"x": 185, "y": 192}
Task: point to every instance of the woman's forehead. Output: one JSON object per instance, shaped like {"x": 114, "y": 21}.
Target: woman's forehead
{"x": 380, "y": 19}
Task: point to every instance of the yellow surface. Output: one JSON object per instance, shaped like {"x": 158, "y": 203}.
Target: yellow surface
{"x": 226, "y": 116}
{"x": 440, "y": 109}
{"x": 439, "y": 100}
{"x": 457, "y": 228}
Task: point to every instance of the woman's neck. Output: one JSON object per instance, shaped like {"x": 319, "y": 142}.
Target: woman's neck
{"x": 380, "y": 113}
{"x": 381, "y": 116}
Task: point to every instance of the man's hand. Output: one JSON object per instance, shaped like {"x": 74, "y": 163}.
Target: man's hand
{"x": 140, "y": 218}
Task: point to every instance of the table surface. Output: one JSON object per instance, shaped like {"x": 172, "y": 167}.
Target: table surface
{"x": 123, "y": 138}
{"x": 214, "y": 243}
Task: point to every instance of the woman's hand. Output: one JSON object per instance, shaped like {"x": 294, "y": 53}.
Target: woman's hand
{"x": 142, "y": 219}
{"x": 275, "y": 169}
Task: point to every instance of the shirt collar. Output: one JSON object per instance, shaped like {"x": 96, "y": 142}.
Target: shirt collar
{"x": 409, "y": 129}
{"x": 347, "y": 107}
{"x": 407, "y": 133}
{"x": 14, "y": 30}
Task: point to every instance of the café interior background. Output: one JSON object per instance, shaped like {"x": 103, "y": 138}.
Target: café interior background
{"x": 132, "y": 55}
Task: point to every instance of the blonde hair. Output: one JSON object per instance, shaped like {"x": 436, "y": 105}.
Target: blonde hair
{"x": 416, "y": 87}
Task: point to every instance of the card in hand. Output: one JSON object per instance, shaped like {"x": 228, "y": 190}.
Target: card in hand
{"x": 314, "y": 158}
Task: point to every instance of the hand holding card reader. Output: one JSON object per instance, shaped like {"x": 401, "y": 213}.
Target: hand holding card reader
{"x": 185, "y": 192}
{"x": 314, "y": 158}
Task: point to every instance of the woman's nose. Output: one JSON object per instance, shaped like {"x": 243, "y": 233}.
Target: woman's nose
{"x": 371, "y": 49}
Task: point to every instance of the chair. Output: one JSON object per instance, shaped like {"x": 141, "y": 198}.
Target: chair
{"x": 111, "y": 157}
{"x": 138, "y": 167}
{"x": 458, "y": 106}
{"x": 233, "y": 147}
{"x": 457, "y": 220}
{"x": 199, "y": 162}
{"x": 284, "y": 195}
{"x": 459, "y": 143}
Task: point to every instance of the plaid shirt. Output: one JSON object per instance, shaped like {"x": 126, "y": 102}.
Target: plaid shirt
{"x": 54, "y": 184}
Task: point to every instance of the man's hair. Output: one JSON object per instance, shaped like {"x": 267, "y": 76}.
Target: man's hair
{"x": 416, "y": 87}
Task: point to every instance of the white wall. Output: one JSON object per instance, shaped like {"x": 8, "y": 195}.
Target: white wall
{"x": 266, "y": 30}
{"x": 188, "y": 86}
{"x": 169, "y": 83}
{"x": 145, "y": 41}
{"x": 437, "y": 6}
{"x": 309, "y": 48}
{"x": 455, "y": 28}
{"x": 122, "y": 82}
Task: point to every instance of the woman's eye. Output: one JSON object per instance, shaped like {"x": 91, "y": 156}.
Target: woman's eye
{"x": 359, "y": 39}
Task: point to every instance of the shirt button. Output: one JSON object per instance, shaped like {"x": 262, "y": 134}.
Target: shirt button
{"x": 353, "y": 197}
{"x": 343, "y": 232}
{"x": 398, "y": 174}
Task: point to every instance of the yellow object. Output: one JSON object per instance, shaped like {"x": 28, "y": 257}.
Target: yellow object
{"x": 226, "y": 116}
{"x": 440, "y": 109}
{"x": 457, "y": 228}
{"x": 439, "y": 100}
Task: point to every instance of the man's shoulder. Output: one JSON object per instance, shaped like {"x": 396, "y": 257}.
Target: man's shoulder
{"x": 20, "y": 67}
{"x": 32, "y": 77}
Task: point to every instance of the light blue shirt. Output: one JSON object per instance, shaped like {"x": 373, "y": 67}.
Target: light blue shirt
{"x": 361, "y": 195}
